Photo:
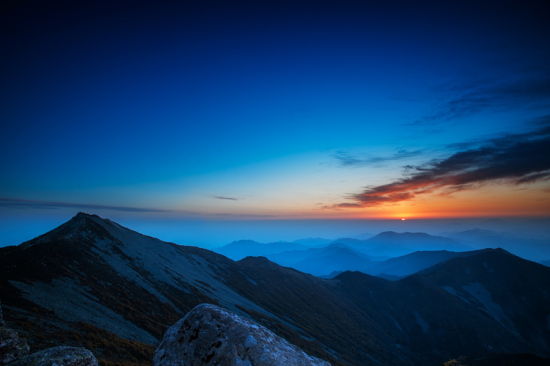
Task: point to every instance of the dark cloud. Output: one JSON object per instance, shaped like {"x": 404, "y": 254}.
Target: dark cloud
{"x": 226, "y": 198}
{"x": 347, "y": 159}
{"x": 15, "y": 202}
{"x": 345, "y": 205}
{"x": 472, "y": 100}
{"x": 516, "y": 158}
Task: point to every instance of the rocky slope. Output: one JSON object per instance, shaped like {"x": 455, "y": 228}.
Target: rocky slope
{"x": 209, "y": 335}
{"x": 58, "y": 356}
{"x": 14, "y": 351}
{"x": 12, "y": 346}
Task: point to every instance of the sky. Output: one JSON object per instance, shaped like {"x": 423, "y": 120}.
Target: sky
{"x": 216, "y": 111}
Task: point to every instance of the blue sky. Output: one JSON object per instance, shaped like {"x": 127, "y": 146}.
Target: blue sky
{"x": 286, "y": 108}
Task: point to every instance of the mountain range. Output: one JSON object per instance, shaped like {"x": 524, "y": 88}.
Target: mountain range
{"x": 392, "y": 244}
{"x": 525, "y": 246}
{"x": 244, "y": 248}
{"x": 369, "y": 256}
{"x": 94, "y": 283}
{"x": 381, "y": 246}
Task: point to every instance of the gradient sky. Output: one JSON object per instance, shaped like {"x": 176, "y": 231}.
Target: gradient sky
{"x": 299, "y": 109}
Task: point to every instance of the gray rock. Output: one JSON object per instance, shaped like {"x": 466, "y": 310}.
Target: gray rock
{"x": 11, "y": 345}
{"x": 58, "y": 356}
{"x": 209, "y": 335}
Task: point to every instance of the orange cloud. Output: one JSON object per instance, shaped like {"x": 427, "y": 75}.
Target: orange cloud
{"x": 515, "y": 159}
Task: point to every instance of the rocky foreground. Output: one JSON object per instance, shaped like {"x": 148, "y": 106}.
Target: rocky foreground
{"x": 209, "y": 335}
{"x": 14, "y": 351}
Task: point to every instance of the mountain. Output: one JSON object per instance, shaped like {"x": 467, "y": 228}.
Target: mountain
{"x": 323, "y": 261}
{"x": 531, "y": 248}
{"x": 338, "y": 257}
{"x": 411, "y": 263}
{"x": 94, "y": 283}
{"x": 313, "y": 242}
{"x": 505, "y": 293}
{"x": 348, "y": 254}
{"x": 244, "y": 248}
{"x": 93, "y": 276}
{"x": 504, "y": 287}
{"x": 392, "y": 244}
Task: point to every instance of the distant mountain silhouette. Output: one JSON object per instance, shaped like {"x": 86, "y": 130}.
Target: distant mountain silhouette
{"x": 531, "y": 248}
{"x": 313, "y": 242}
{"x": 322, "y": 261}
{"x": 243, "y": 248}
{"x": 411, "y": 263}
{"x": 339, "y": 257}
{"x": 92, "y": 282}
{"x": 392, "y": 244}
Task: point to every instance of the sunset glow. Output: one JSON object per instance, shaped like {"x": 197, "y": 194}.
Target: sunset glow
{"x": 329, "y": 118}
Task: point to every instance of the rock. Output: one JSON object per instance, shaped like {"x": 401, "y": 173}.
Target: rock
{"x": 209, "y": 335}
{"x": 58, "y": 356}
{"x": 11, "y": 346}
{"x": 1, "y": 316}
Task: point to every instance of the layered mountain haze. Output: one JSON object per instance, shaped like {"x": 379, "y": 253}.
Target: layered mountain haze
{"x": 94, "y": 283}
{"x": 350, "y": 254}
{"x": 390, "y": 243}
{"x": 323, "y": 261}
{"x": 528, "y": 247}
{"x": 244, "y": 248}
{"x": 411, "y": 263}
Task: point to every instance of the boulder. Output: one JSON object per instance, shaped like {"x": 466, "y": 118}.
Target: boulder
{"x": 12, "y": 346}
{"x": 58, "y": 356}
{"x": 209, "y": 335}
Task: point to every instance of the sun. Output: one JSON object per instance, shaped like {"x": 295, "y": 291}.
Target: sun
{"x": 403, "y": 219}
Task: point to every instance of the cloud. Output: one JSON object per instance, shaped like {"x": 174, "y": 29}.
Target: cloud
{"x": 527, "y": 93}
{"x": 226, "y": 198}
{"x": 37, "y": 204}
{"x": 516, "y": 159}
{"x": 345, "y": 205}
{"x": 346, "y": 159}
{"x": 15, "y": 202}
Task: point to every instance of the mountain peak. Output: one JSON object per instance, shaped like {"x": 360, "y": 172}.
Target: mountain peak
{"x": 86, "y": 215}
{"x": 394, "y": 234}
{"x": 83, "y": 220}
{"x": 496, "y": 251}
{"x": 80, "y": 225}
{"x": 79, "y": 217}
